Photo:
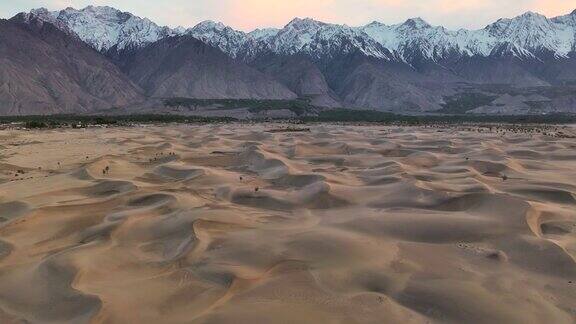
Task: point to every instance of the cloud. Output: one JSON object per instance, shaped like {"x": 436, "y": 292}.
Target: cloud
{"x": 250, "y": 14}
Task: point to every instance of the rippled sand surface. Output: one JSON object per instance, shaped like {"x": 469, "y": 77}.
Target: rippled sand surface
{"x": 237, "y": 224}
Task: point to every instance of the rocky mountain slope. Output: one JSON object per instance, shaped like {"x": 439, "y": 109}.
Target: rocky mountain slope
{"x": 46, "y": 71}
{"x": 183, "y": 66}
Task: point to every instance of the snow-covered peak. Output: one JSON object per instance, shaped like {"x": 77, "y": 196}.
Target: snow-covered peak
{"x": 295, "y": 35}
{"x": 532, "y": 15}
{"x": 416, "y": 23}
{"x": 209, "y": 25}
{"x": 42, "y": 13}
{"x": 41, "y": 16}
{"x": 374, "y": 24}
{"x": 304, "y": 24}
{"x": 219, "y": 35}
{"x": 532, "y": 33}
{"x": 101, "y": 11}
{"x": 105, "y": 27}
{"x": 525, "y": 23}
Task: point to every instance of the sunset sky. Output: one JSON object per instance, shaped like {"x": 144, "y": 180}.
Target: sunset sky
{"x": 249, "y": 14}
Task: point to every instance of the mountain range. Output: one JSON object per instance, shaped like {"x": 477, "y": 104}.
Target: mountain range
{"x": 99, "y": 57}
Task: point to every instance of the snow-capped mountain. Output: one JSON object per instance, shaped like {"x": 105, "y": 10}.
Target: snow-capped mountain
{"x": 300, "y": 36}
{"x": 531, "y": 33}
{"x": 527, "y": 36}
{"x": 106, "y": 27}
{"x": 524, "y": 36}
{"x": 412, "y": 66}
{"x": 319, "y": 40}
{"x": 415, "y": 37}
{"x": 219, "y": 35}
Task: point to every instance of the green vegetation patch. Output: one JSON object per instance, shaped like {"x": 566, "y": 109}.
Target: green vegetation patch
{"x": 297, "y": 106}
{"x": 75, "y": 121}
{"x": 372, "y": 116}
{"x": 330, "y": 116}
{"x": 464, "y": 102}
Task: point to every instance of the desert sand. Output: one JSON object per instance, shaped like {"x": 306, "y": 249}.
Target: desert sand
{"x": 238, "y": 224}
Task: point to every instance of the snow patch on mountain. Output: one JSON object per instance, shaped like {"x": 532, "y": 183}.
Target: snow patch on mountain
{"x": 263, "y": 34}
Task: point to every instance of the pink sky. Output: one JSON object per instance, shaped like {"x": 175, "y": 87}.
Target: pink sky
{"x": 250, "y": 14}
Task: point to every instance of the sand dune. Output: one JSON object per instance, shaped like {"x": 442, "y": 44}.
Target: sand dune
{"x": 238, "y": 224}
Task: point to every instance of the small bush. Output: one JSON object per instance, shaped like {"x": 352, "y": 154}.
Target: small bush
{"x": 35, "y": 124}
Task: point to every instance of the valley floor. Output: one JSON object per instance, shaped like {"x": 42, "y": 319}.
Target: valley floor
{"x": 263, "y": 224}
